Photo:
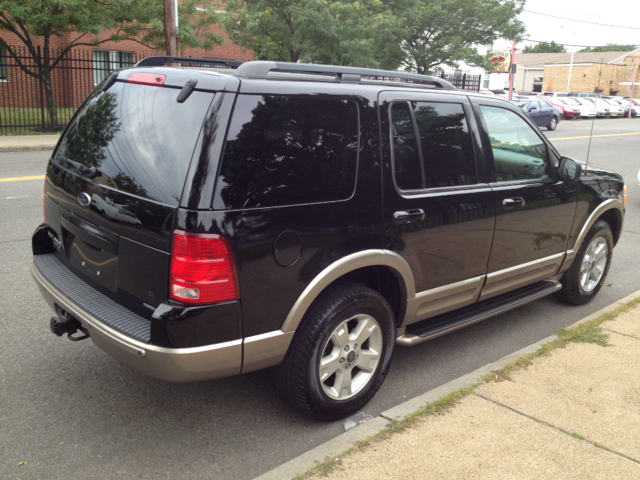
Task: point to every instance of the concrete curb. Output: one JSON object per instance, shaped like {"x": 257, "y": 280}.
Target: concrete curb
{"x": 28, "y": 143}
{"x": 27, "y": 148}
{"x": 336, "y": 446}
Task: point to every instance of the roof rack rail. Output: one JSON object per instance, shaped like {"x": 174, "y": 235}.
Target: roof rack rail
{"x": 161, "y": 61}
{"x": 261, "y": 70}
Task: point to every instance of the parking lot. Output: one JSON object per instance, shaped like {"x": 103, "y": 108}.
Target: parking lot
{"x": 67, "y": 410}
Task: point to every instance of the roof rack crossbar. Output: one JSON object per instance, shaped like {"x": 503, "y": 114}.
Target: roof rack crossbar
{"x": 160, "y": 61}
{"x": 261, "y": 69}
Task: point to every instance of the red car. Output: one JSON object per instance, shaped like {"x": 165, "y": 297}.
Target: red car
{"x": 567, "y": 111}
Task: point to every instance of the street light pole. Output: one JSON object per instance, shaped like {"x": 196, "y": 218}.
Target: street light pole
{"x": 513, "y": 62}
{"x": 570, "y": 68}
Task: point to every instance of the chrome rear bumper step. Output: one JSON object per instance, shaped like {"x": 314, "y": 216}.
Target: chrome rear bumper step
{"x": 436, "y": 326}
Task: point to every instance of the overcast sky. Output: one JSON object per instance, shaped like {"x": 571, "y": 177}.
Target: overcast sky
{"x": 568, "y": 30}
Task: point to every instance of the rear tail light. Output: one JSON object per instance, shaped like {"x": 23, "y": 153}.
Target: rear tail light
{"x": 202, "y": 269}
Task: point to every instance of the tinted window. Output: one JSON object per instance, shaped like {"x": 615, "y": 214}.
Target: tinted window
{"x": 518, "y": 152}
{"x": 445, "y": 144}
{"x": 140, "y": 139}
{"x": 286, "y": 150}
{"x": 406, "y": 155}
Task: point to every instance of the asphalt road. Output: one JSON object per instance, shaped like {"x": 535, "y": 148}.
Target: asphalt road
{"x": 70, "y": 411}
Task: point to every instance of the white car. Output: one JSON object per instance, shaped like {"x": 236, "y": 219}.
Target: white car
{"x": 601, "y": 107}
{"x": 624, "y": 103}
{"x": 615, "y": 109}
{"x": 587, "y": 109}
{"x": 108, "y": 208}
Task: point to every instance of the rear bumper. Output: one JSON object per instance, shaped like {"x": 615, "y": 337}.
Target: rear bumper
{"x": 169, "y": 364}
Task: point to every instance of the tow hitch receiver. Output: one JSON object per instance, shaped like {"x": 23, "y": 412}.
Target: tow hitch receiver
{"x": 65, "y": 323}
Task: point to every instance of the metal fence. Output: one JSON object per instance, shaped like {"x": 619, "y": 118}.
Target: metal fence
{"x": 464, "y": 81}
{"x": 28, "y": 106}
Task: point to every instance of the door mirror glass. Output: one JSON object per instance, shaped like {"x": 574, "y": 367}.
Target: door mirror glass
{"x": 569, "y": 169}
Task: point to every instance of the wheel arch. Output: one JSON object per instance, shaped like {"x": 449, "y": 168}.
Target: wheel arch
{"x": 614, "y": 218}
{"x": 382, "y": 270}
{"x": 612, "y": 212}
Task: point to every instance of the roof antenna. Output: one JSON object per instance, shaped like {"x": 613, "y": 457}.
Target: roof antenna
{"x": 594, "y": 118}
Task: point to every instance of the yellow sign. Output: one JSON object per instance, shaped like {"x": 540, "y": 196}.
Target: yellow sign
{"x": 500, "y": 61}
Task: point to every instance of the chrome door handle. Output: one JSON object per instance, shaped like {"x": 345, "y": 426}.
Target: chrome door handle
{"x": 515, "y": 203}
{"x": 408, "y": 216}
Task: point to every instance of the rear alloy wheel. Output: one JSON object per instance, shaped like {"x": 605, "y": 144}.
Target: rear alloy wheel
{"x": 589, "y": 270}
{"x": 553, "y": 124}
{"x": 340, "y": 354}
{"x": 350, "y": 357}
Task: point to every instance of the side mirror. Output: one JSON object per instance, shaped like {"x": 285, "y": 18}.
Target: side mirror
{"x": 569, "y": 170}
{"x": 533, "y": 108}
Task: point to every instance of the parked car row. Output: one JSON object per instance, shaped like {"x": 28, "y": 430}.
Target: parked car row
{"x": 585, "y": 105}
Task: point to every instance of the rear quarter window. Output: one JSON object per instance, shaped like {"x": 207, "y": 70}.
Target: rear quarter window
{"x": 288, "y": 150}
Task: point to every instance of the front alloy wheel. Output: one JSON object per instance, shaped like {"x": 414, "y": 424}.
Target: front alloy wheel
{"x": 587, "y": 273}
{"x": 594, "y": 264}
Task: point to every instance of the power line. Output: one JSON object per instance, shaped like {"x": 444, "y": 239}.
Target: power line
{"x": 581, "y": 21}
{"x": 563, "y": 44}
{"x": 477, "y": 29}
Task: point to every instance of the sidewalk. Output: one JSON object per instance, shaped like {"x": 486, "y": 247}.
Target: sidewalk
{"x": 574, "y": 413}
{"x": 18, "y": 143}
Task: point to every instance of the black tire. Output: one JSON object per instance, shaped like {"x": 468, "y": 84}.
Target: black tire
{"x": 345, "y": 307}
{"x": 553, "y": 124}
{"x": 588, "y": 272}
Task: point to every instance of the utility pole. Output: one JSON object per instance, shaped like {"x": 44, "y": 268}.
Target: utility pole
{"x": 511, "y": 69}
{"x": 633, "y": 82}
{"x": 170, "y": 41}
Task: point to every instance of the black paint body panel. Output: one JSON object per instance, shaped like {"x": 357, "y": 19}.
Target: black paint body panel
{"x": 280, "y": 250}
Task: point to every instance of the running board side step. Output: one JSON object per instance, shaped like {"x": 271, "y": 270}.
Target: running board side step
{"x": 436, "y": 326}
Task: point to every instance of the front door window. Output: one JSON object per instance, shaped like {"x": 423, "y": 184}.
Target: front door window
{"x": 518, "y": 152}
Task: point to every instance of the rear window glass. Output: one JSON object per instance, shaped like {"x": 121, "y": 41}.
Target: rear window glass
{"x": 139, "y": 138}
{"x": 288, "y": 150}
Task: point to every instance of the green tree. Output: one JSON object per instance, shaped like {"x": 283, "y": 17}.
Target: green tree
{"x": 418, "y": 35}
{"x": 545, "y": 47}
{"x": 37, "y": 22}
{"x": 610, "y": 47}
{"x": 444, "y": 32}
{"x": 327, "y": 31}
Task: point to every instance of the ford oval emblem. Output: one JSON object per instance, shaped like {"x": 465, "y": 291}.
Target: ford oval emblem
{"x": 84, "y": 199}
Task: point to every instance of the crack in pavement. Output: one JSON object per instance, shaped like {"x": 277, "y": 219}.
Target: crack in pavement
{"x": 619, "y": 333}
{"x": 546, "y": 424}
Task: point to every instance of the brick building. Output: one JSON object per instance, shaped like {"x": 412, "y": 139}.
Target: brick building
{"x": 608, "y": 73}
{"x": 84, "y": 67}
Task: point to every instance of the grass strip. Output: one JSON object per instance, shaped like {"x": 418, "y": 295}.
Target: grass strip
{"x": 586, "y": 332}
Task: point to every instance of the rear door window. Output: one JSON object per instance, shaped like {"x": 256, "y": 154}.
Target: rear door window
{"x": 288, "y": 150}
{"x": 432, "y": 146}
{"x": 139, "y": 138}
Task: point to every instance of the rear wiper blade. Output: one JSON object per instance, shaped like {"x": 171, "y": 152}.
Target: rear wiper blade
{"x": 89, "y": 172}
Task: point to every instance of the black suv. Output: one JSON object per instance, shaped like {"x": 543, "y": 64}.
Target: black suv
{"x": 202, "y": 224}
